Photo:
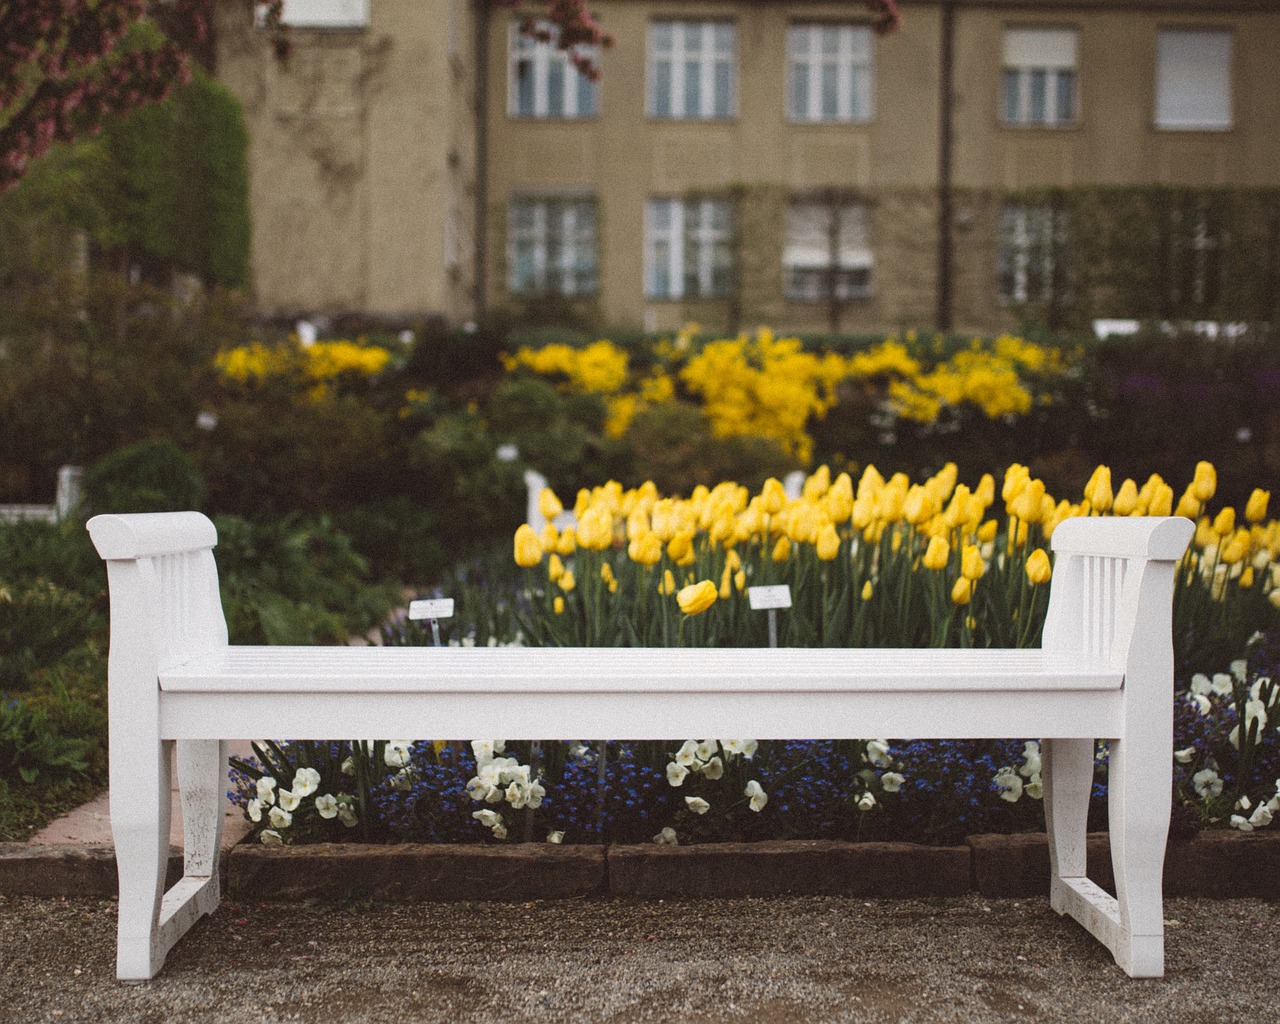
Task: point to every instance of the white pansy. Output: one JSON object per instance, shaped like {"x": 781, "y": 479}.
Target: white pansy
{"x": 579, "y": 749}
{"x": 289, "y": 800}
{"x": 1184, "y": 756}
{"x": 1261, "y": 816}
{"x": 667, "y": 837}
{"x": 1200, "y": 684}
{"x": 697, "y": 804}
{"x": 687, "y": 755}
{"x": 487, "y": 818}
{"x": 1244, "y": 803}
{"x": 1240, "y": 822}
{"x": 1255, "y": 710}
{"x": 1207, "y": 783}
{"x": 347, "y": 816}
{"x": 327, "y": 806}
{"x": 878, "y": 753}
{"x": 515, "y": 794}
{"x": 676, "y": 773}
{"x": 1223, "y": 685}
{"x": 402, "y": 781}
{"x": 1009, "y": 784}
{"x": 477, "y": 788}
{"x": 305, "y": 782}
{"x": 707, "y": 749}
{"x": 892, "y": 781}
{"x": 866, "y": 802}
{"x": 1031, "y": 756}
{"x": 280, "y": 818}
{"x": 714, "y": 769}
{"x": 749, "y": 748}
{"x": 733, "y": 746}
{"x": 396, "y": 753}
{"x": 254, "y": 810}
{"x": 267, "y": 790}
{"x": 534, "y": 793}
{"x": 555, "y": 837}
{"x": 270, "y": 837}
{"x": 1200, "y": 702}
{"x": 1034, "y": 787}
{"x": 348, "y": 766}
{"x": 756, "y": 794}
{"x": 499, "y": 831}
{"x": 1240, "y": 669}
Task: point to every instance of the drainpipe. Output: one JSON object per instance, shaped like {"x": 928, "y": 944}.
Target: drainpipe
{"x": 481, "y": 228}
{"x": 946, "y": 113}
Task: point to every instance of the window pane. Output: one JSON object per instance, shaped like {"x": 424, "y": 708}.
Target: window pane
{"x": 661, "y": 36}
{"x": 830, "y": 107}
{"x": 586, "y": 96}
{"x": 1193, "y": 79}
{"x": 662, "y": 88}
{"x": 799, "y": 91}
{"x": 555, "y": 86}
{"x": 724, "y": 39}
{"x": 660, "y": 269}
{"x": 798, "y": 40}
{"x": 692, "y": 31}
{"x": 1036, "y": 100}
{"x": 692, "y": 89}
{"x": 860, "y": 94}
{"x": 1066, "y": 96}
{"x": 1012, "y": 81}
{"x": 660, "y": 214}
{"x": 724, "y": 89}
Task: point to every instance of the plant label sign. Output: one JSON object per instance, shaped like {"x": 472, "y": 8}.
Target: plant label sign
{"x": 769, "y": 598}
{"x": 438, "y": 608}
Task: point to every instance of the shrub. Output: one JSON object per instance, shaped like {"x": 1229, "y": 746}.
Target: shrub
{"x": 150, "y": 476}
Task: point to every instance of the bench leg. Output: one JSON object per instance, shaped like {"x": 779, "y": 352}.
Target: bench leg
{"x": 140, "y": 812}
{"x": 1067, "y": 772}
{"x": 202, "y": 779}
{"x": 1139, "y": 806}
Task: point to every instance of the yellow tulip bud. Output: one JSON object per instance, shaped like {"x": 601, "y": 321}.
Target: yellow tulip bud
{"x": 1126, "y": 499}
{"x": 668, "y": 584}
{"x": 726, "y": 583}
{"x": 1161, "y": 500}
{"x": 1039, "y": 569}
{"x": 1225, "y": 522}
{"x": 1256, "y": 509}
{"x": 1236, "y": 549}
{"x": 987, "y": 531}
{"x": 1018, "y": 537}
{"x": 740, "y": 580}
{"x": 773, "y": 496}
{"x": 1097, "y": 491}
{"x": 1246, "y": 578}
{"x": 528, "y": 549}
{"x": 582, "y": 502}
{"x": 917, "y": 507}
{"x": 732, "y": 560}
{"x": 595, "y": 528}
{"x": 550, "y": 537}
{"x": 696, "y": 598}
{"x": 558, "y": 605}
{"x": 971, "y": 564}
{"x": 680, "y": 548}
{"x": 804, "y": 523}
{"x": 567, "y": 582}
{"x": 828, "y": 543}
{"x": 782, "y": 550}
{"x": 555, "y": 569}
{"x": 638, "y": 524}
{"x": 1205, "y": 534}
{"x": 548, "y": 504}
{"x": 864, "y": 510}
{"x": 1205, "y": 483}
{"x": 867, "y": 591}
{"x": 567, "y": 544}
{"x": 606, "y": 573}
{"x": 1188, "y": 505}
{"x": 936, "y": 555}
{"x": 1015, "y": 478}
{"x": 962, "y": 592}
{"x": 839, "y": 500}
{"x": 986, "y": 490}
{"x": 958, "y": 510}
{"x": 871, "y": 482}
{"x": 1028, "y": 503}
{"x": 818, "y": 483}
{"x": 646, "y": 550}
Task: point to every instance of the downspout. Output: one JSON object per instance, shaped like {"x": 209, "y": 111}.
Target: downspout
{"x": 946, "y": 113}
{"x": 481, "y": 230}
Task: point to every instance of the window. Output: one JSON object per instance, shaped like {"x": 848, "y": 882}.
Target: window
{"x": 1033, "y": 254}
{"x": 1193, "y": 79}
{"x": 325, "y": 13}
{"x": 827, "y": 247}
{"x": 1039, "y": 76}
{"x": 829, "y": 73}
{"x": 688, "y": 248}
{"x": 543, "y": 81}
{"x": 552, "y": 245}
{"x": 691, "y": 69}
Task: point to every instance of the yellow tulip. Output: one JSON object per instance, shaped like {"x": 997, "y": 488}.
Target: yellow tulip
{"x": 1126, "y": 499}
{"x": 986, "y": 490}
{"x": 638, "y": 524}
{"x": 917, "y": 506}
{"x": 548, "y": 504}
{"x": 1205, "y": 483}
{"x": 1256, "y": 509}
{"x": 595, "y": 528}
{"x": 1246, "y": 578}
{"x": 558, "y": 605}
{"x": 733, "y": 560}
{"x": 936, "y": 555}
{"x": 555, "y": 569}
{"x": 567, "y": 582}
{"x": 818, "y": 483}
{"x": 680, "y": 548}
{"x": 1015, "y": 478}
{"x": 828, "y": 543}
{"x": 782, "y": 550}
{"x": 962, "y": 592}
{"x": 606, "y": 574}
{"x": 867, "y": 591}
{"x": 1225, "y": 522}
{"x": 804, "y": 523}
{"x": 971, "y": 564}
{"x": 1039, "y": 570}
{"x": 1236, "y": 549}
{"x": 987, "y": 531}
{"x": 958, "y": 510}
{"x": 582, "y": 502}
{"x": 1097, "y": 491}
{"x": 646, "y": 550}
{"x": 773, "y": 496}
{"x": 567, "y": 544}
{"x": 1188, "y": 505}
{"x": 1161, "y": 500}
{"x": 740, "y": 580}
{"x": 550, "y": 537}
{"x": 871, "y": 482}
{"x": 1205, "y": 534}
{"x": 668, "y": 584}
{"x": 839, "y": 499}
{"x": 528, "y": 549}
{"x": 696, "y": 598}
{"x": 1028, "y": 504}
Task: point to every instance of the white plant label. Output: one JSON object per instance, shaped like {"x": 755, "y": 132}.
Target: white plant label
{"x": 439, "y": 608}
{"x": 763, "y": 598}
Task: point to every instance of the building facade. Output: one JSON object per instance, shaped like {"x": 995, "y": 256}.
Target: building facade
{"x": 763, "y": 162}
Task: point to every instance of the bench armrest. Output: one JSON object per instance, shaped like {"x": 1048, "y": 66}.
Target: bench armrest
{"x": 148, "y": 535}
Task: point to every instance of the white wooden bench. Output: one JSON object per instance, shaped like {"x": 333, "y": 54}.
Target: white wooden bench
{"x": 1105, "y": 671}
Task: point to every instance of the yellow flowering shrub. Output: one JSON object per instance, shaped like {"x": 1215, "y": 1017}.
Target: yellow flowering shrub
{"x": 321, "y": 362}
{"x": 599, "y": 368}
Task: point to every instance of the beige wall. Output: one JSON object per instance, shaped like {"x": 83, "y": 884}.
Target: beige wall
{"x": 351, "y": 181}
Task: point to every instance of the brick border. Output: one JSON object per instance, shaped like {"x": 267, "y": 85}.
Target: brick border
{"x": 1215, "y": 864}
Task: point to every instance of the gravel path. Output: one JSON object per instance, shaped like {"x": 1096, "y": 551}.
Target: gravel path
{"x": 773, "y": 961}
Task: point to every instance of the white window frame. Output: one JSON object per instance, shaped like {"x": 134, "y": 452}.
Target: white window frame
{"x": 552, "y": 71}
{"x": 1031, "y": 240}
{"x": 810, "y": 256}
{"x": 849, "y": 69}
{"x": 324, "y": 13}
{"x": 670, "y": 64}
{"x": 1050, "y": 57}
{"x": 688, "y": 256}
{"x": 563, "y": 241}
{"x": 1194, "y": 95}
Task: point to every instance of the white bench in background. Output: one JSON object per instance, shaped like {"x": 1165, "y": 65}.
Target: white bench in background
{"x": 1105, "y": 671}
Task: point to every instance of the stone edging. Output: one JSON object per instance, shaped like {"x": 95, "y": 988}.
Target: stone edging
{"x": 1216, "y": 864}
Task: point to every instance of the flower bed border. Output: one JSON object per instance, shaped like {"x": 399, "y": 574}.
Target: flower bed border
{"x": 1213, "y": 864}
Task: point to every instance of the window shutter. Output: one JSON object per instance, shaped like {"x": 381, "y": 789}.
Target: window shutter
{"x": 1193, "y": 79}
{"x": 1053, "y": 49}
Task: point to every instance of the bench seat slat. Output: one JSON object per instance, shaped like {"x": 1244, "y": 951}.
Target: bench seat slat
{"x": 568, "y": 670}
